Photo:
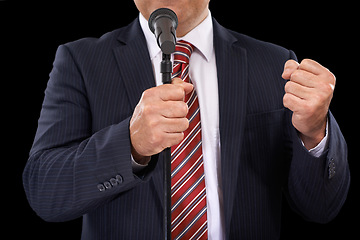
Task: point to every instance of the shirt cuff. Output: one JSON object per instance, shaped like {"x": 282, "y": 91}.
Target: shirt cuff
{"x": 136, "y": 167}
{"x": 322, "y": 146}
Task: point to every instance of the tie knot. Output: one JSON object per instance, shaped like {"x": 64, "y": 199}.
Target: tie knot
{"x": 183, "y": 52}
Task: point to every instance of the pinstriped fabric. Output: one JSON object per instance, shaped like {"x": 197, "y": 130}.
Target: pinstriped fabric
{"x": 83, "y": 140}
{"x": 188, "y": 194}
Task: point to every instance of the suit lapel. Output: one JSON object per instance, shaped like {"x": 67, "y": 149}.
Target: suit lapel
{"x": 231, "y": 64}
{"x": 134, "y": 62}
{"x": 137, "y": 74}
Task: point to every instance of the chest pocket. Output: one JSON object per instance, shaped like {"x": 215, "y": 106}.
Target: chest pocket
{"x": 264, "y": 143}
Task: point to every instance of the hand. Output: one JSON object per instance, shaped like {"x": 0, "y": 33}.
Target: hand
{"x": 159, "y": 119}
{"x": 308, "y": 94}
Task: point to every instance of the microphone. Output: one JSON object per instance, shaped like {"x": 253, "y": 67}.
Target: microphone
{"x": 163, "y": 23}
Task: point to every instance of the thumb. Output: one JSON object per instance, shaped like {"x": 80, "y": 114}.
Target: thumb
{"x": 188, "y": 87}
{"x": 289, "y": 67}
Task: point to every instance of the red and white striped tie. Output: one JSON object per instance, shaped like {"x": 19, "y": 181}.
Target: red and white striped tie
{"x": 188, "y": 194}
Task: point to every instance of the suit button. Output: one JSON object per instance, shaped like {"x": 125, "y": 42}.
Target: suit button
{"x": 114, "y": 182}
{"x": 101, "y": 187}
{"x": 119, "y": 178}
{"x": 107, "y": 185}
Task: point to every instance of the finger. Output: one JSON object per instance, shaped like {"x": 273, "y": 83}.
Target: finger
{"x": 174, "y": 139}
{"x": 304, "y": 78}
{"x": 171, "y": 92}
{"x": 174, "y": 109}
{"x": 312, "y": 66}
{"x": 292, "y": 102}
{"x": 316, "y": 68}
{"x": 289, "y": 67}
{"x": 188, "y": 87}
{"x": 298, "y": 90}
{"x": 174, "y": 125}
{"x": 169, "y": 139}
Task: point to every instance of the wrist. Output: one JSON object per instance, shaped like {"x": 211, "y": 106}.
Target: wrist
{"x": 311, "y": 141}
{"x": 138, "y": 158}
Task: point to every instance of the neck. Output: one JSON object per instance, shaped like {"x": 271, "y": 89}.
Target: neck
{"x": 185, "y": 27}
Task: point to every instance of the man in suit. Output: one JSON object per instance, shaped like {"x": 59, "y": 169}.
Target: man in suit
{"x": 106, "y": 118}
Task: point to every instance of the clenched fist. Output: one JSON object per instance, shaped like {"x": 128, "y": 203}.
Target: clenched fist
{"x": 159, "y": 119}
{"x": 308, "y": 95}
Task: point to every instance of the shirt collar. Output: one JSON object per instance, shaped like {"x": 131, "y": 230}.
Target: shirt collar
{"x": 201, "y": 37}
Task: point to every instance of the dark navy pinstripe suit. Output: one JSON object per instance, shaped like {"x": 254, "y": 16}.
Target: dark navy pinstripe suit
{"x": 80, "y": 161}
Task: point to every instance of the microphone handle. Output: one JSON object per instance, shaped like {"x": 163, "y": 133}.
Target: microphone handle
{"x": 166, "y": 72}
{"x": 167, "y": 193}
{"x": 166, "y": 68}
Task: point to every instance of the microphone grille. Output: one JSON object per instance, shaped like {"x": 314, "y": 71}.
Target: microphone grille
{"x": 162, "y": 12}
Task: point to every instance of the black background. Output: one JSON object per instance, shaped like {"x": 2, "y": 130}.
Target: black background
{"x": 30, "y": 35}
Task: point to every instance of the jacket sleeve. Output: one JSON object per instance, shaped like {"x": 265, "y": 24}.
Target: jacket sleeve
{"x": 72, "y": 169}
{"x": 318, "y": 187}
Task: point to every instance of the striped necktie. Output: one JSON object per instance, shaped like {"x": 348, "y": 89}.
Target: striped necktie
{"x": 188, "y": 194}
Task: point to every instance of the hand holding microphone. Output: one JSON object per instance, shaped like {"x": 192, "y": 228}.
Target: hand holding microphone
{"x": 159, "y": 119}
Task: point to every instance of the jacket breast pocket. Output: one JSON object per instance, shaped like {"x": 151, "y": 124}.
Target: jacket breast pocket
{"x": 264, "y": 144}
{"x": 265, "y": 120}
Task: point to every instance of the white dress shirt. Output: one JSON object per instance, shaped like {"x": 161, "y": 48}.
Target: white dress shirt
{"x": 203, "y": 74}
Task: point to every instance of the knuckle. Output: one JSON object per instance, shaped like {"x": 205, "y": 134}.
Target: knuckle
{"x": 291, "y": 63}
{"x": 184, "y": 108}
{"x": 287, "y": 87}
{"x": 310, "y": 107}
{"x": 285, "y": 99}
{"x": 296, "y": 75}
{"x": 174, "y": 92}
{"x": 155, "y": 139}
{"x": 185, "y": 124}
{"x": 177, "y": 80}
{"x": 179, "y": 137}
{"x": 147, "y": 110}
{"x": 148, "y": 93}
{"x": 178, "y": 109}
{"x": 179, "y": 92}
{"x": 331, "y": 77}
{"x": 305, "y": 61}
{"x": 316, "y": 98}
{"x": 152, "y": 124}
{"x": 290, "y": 87}
{"x": 174, "y": 139}
{"x": 181, "y": 125}
{"x": 326, "y": 88}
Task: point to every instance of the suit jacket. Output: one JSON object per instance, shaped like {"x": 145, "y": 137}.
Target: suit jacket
{"x": 80, "y": 162}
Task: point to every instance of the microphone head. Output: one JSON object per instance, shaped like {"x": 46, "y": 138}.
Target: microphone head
{"x": 163, "y": 23}
{"x": 159, "y": 13}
